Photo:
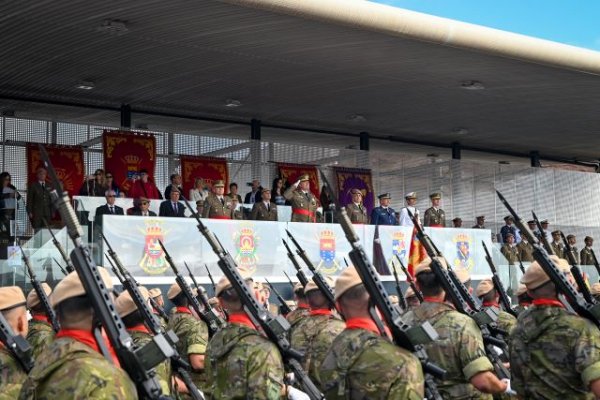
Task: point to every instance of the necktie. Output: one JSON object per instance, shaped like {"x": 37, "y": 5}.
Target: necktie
{"x": 268, "y": 207}
{"x": 175, "y": 207}
{"x": 43, "y": 185}
{"x": 112, "y": 210}
{"x": 222, "y": 201}
{"x": 360, "y": 207}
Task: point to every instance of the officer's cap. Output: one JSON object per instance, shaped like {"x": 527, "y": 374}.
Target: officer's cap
{"x": 71, "y": 286}
{"x": 588, "y": 238}
{"x": 457, "y": 219}
{"x": 531, "y": 222}
{"x": 155, "y": 292}
{"x": 425, "y": 265}
{"x": 521, "y": 290}
{"x": 480, "y": 217}
{"x": 304, "y": 178}
{"x": 544, "y": 222}
{"x": 384, "y": 196}
{"x": 224, "y": 283}
{"x": 411, "y": 195}
{"x": 510, "y": 234}
{"x": 125, "y": 304}
{"x": 595, "y": 289}
{"x": 356, "y": 191}
{"x": 348, "y": 279}
{"x": 32, "y": 297}
{"x": 535, "y": 276}
{"x": 571, "y": 236}
{"x": 219, "y": 183}
{"x": 434, "y": 196}
{"x": 508, "y": 217}
{"x": 311, "y": 285}
{"x": 484, "y": 287}
{"x": 556, "y": 233}
{"x": 11, "y": 297}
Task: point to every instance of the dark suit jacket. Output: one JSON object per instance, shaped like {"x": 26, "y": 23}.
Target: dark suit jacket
{"x": 103, "y": 210}
{"x": 260, "y": 213}
{"x": 257, "y": 197}
{"x": 138, "y": 212}
{"x": 166, "y": 209}
{"x": 39, "y": 204}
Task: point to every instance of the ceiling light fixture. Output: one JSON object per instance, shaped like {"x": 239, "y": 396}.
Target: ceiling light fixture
{"x": 85, "y": 85}
{"x": 113, "y": 26}
{"x": 460, "y": 131}
{"x": 472, "y": 85}
{"x": 357, "y": 118}
{"x": 233, "y": 103}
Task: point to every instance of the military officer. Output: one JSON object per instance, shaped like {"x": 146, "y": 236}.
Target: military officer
{"x": 557, "y": 244}
{"x": 12, "y": 307}
{"x": 587, "y": 258}
{"x": 411, "y": 201}
{"x": 40, "y": 333}
{"x": 360, "y": 364}
{"x": 509, "y": 228}
{"x": 459, "y": 349}
{"x": 264, "y": 210}
{"x": 457, "y": 222}
{"x": 302, "y": 308}
{"x": 509, "y": 249}
{"x": 304, "y": 203}
{"x": 217, "y": 205}
{"x": 554, "y": 354}
{"x": 572, "y": 242}
{"x": 356, "y": 210}
{"x": 236, "y": 212}
{"x": 480, "y": 222}
{"x": 384, "y": 214}
{"x": 489, "y": 297}
{"x": 315, "y": 333}
{"x": 72, "y": 367}
{"x": 525, "y": 250}
{"x": 434, "y": 216}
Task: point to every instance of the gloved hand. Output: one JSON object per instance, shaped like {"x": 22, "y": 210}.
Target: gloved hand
{"x": 297, "y": 183}
{"x": 295, "y": 394}
{"x": 509, "y": 390}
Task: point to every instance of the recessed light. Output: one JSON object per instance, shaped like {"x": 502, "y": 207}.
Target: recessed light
{"x": 232, "y": 103}
{"x": 472, "y": 85}
{"x": 357, "y": 118}
{"x": 460, "y": 131}
{"x": 85, "y": 85}
{"x": 113, "y": 26}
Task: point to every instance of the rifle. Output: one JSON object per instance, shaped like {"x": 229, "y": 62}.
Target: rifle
{"x": 464, "y": 302}
{"x": 299, "y": 273}
{"x": 60, "y": 248}
{"x": 543, "y": 237}
{"x": 138, "y": 363}
{"x": 576, "y": 272}
{"x": 212, "y": 281}
{"x": 215, "y": 322}
{"x": 16, "y": 344}
{"x": 580, "y": 306}
{"x": 521, "y": 266}
{"x": 401, "y": 298}
{"x": 317, "y": 277}
{"x": 596, "y": 264}
{"x": 497, "y": 283}
{"x": 275, "y": 327}
{"x": 161, "y": 311}
{"x": 411, "y": 281}
{"x": 60, "y": 267}
{"x": 408, "y": 337}
{"x": 289, "y": 280}
{"x": 40, "y": 293}
{"x": 283, "y": 307}
{"x": 187, "y": 291}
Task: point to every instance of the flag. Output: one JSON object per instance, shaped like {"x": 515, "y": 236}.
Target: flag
{"x": 417, "y": 253}
{"x": 378, "y": 257}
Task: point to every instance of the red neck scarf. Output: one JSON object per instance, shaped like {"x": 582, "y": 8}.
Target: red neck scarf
{"x": 433, "y": 300}
{"x": 320, "y": 311}
{"x": 303, "y": 305}
{"x": 490, "y": 304}
{"x": 547, "y": 302}
{"x": 362, "y": 323}
{"x": 40, "y": 318}
{"x": 241, "y": 319}
{"x": 87, "y": 338}
{"x": 139, "y": 328}
{"x": 184, "y": 310}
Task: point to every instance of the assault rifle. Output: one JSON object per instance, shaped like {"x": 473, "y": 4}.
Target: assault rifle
{"x": 215, "y": 322}
{"x": 40, "y": 293}
{"x": 317, "y": 277}
{"x": 410, "y": 280}
{"x": 408, "y": 337}
{"x": 464, "y": 302}
{"x": 62, "y": 270}
{"x": 299, "y": 273}
{"x": 543, "y": 238}
{"x": 576, "y": 272}
{"x": 275, "y": 327}
{"x": 60, "y": 248}
{"x": 596, "y": 264}
{"x": 16, "y": 344}
{"x": 521, "y": 266}
{"x": 138, "y": 363}
{"x": 289, "y": 280}
{"x": 283, "y": 307}
{"x": 401, "y": 298}
{"x": 498, "y": 283}
{"x": 212, "y": 281}
{"x": 580, "y": 306}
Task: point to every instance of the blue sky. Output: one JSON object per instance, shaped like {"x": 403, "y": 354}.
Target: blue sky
{"x": 574, "y": 22}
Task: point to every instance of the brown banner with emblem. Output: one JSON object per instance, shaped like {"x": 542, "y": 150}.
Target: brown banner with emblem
{"x": 208, "y": 168}
{"x": 66, "y": 160}
{"x": 291, "y": 173}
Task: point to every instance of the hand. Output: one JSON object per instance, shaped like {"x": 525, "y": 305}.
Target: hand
{"x": 295, "y": 394}
{"x": 297, "y": 183}
{"x": 508, "y": 389}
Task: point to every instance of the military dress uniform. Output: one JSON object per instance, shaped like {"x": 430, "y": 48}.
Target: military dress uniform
{"x": 586, "y": 256}
{"x": 304, "y": 204}
{"x": 216, "y": 208}
{"x": 559, "y": 249}
{"x": 357, "y": 213}
{"x": 511, "y": 253}
{"x": 40, "y": 333}
{"x": 525, "y": 251}
{"x": 263, "y": 212}
{"x": 12, "y": 374}
{"x": 434, "y": 217}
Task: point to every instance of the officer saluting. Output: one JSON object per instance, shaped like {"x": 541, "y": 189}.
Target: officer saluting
{"x": 383, "y": 215}
{"x": 304, "y": 203}
{"x": 434, "y": 215}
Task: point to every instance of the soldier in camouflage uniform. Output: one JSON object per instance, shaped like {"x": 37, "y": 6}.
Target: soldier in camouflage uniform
{"x": 241, "y": 363}
{"x": 12, "y": 307}
{"x": 411, "y": 299}
{"x": 192, "y": 334}
{"x": 360, "y": 364}
{"x": 72, "y": 367}
{"x": 217, "y": 205}
{"x": 314, "y": 334}
{"x": 586, "y": 256}
{"x": 459, "y": 349}
{"x": 509, "y": 249}
{"x": 156, "y": 295}
{"x": 304, "y": 203}
{"x": 434, "y": 215}
{"x": 489, "y": 299}
{"x": 302, "y": 309}
{"x": 553, "y": 354}
{"x": 40, "y": 333}
{"x": 357, "y": 212}
{"x": 134, "y": 323}
{"x": 523, "y": 299}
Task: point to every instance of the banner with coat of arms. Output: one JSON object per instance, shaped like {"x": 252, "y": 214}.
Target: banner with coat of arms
{"x": 291, "y": 172}
{"x": 126, "y": 153}
{"x": 66, "y": 160}
{"x": 208, "y": 168}
{"x": 355, "y": 178}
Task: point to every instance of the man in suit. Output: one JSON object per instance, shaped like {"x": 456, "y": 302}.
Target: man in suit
{"x": 384, "y": 214}
{"x": 356, "y": 210}
{"x": 253, "y": 196}
{"x": 110, "y": 208}
{"x": 175, "y": 183}
{"x": 264, "y": 210}
{"x": 172, "y": 207}
{"x": 144, "y": 208}
{"x": 39, "y": 204}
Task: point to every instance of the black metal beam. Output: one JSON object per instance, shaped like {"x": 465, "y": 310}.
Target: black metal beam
{"x": 364, "y": 141}
{"x": 255, "y": 129}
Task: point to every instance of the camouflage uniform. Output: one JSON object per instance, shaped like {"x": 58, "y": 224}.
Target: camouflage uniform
{"x": 362, "y": 365}
{"x": 434, "y": 217}
{"x": 506, "y": 321}
{"x": 510, "y": 253}
{"x": 586, "y": 256}
{"x": 72, "y": 370}
{"x": 459, "y": 349}
{"x": 297, "y": 315}
{"x": 241, "y": 352}
{"x": 193, "y": 338}
{"x": 525, "y": 251}
{"x": 12, "y": 375}
{"x": 304, "y": 205}
{"x": 39, "y": 336}
{"x": 163, "y": 370}
{"x": 357, "y": 213}
{"x": 313, "y": 336}
{"x": 213, "y": 208}
{"x": 554, "y": 354}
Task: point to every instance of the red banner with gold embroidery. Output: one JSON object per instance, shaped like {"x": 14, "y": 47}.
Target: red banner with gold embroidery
{"x": 126, "y": 153}
{"x": 208, "y": 168}
{"x": 66, "y": 160}
{"x": 291, "y": 173}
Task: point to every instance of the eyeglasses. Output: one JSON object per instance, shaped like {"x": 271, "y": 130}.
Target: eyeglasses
{"x": 145, "y": 202}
